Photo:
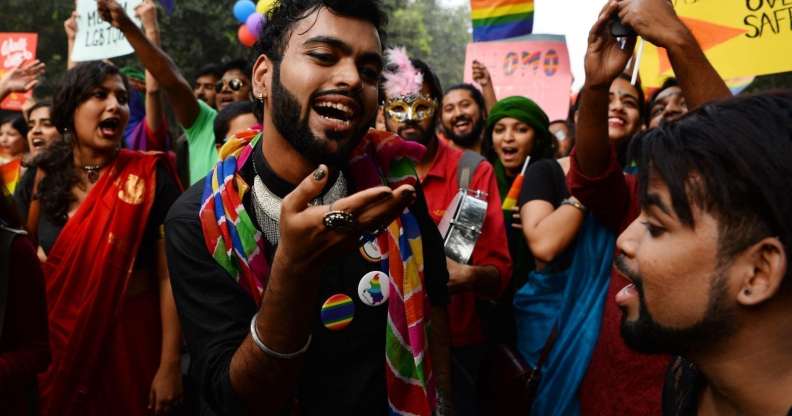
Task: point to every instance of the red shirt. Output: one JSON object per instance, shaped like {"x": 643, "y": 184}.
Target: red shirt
{"x": 440, "y": 186}
{"x": 619, "y": 381}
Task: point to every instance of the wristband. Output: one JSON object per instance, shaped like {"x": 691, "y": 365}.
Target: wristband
{"x": 267, "y": 350}
{"x": 575, "y": 203}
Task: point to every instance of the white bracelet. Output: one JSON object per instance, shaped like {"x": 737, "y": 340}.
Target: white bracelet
{"x": 268, "y": 351}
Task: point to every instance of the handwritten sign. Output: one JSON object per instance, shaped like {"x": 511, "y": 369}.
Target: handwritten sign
{"x": 16, "y": 48}
{"x": 95, "y": 38}
{"x": 740, "y": 38}
{"x": 535, "y": 66}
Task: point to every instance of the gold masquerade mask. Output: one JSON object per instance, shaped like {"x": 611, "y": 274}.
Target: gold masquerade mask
{"x": 410, "y": 108}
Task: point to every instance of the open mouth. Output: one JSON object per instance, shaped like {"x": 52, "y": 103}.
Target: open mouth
{"x": 462, "y": 123}
{"x": 37, "y": 142}
{"x": 109, "y": 127}
{"x": 616, "y": 121}
{"x": 509, "y": 151}
{"x": 337, "y": 113}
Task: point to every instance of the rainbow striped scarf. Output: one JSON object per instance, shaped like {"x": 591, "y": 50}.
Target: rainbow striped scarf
{"x": 238, "y": 247}
{"x": 501, "y": 19}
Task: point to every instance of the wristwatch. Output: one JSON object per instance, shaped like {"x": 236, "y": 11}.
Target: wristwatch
{"x": 575, "y": 203}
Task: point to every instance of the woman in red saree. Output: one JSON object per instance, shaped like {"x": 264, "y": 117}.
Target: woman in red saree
{"x": 97, "y": 211}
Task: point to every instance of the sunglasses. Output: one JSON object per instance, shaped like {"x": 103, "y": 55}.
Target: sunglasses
{"x": 235, "y": 85}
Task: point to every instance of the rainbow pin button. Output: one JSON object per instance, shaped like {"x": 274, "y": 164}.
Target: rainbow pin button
{"x": 337, "y": 312}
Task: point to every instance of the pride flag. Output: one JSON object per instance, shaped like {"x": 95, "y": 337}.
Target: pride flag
{"x": 9, "y": 172}
{"x": 514, "y": 192}
{"x": 501, "y": 19}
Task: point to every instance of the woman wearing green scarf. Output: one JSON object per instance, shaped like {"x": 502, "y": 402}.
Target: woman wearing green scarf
{"x": 516, "y": 128}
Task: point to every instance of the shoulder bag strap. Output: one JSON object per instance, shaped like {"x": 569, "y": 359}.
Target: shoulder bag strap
{"x": 467, "y": 165}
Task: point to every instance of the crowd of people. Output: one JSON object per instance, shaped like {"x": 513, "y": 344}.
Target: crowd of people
{"x": 334, "y": 232}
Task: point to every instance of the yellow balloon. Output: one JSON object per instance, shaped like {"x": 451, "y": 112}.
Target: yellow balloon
{"x": 264, "y": 6}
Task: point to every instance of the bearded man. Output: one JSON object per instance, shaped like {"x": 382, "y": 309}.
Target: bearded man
{"x": 295, "y": 294}
{"x": 412, "y": 94}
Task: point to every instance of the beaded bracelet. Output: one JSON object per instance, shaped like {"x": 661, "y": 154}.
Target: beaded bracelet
{"x": 267, "y": 350}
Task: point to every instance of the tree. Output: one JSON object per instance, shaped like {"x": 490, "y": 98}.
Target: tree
{"x": 432, "y": 33}
{"x": 204, "y": 31}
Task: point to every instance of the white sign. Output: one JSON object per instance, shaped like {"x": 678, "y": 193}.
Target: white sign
{"x": 95, "y": 38}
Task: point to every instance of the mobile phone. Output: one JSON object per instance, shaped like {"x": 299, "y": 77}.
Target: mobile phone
{"x": 619, "y": 29}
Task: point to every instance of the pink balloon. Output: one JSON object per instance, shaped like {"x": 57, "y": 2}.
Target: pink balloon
{"x": 245, "y": 37}
{"x": 254, "y": 23}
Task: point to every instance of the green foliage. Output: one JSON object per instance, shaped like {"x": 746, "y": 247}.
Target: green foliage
{"x": 432, "y": 33}
{"x": 204, "y": 31}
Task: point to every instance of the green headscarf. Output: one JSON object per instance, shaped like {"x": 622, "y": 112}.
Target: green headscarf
{"x": 527, "y": 111}
{"x": 133, "y": 73}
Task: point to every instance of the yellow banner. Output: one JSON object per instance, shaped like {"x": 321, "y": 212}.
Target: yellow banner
{"x": 740, "y": 37}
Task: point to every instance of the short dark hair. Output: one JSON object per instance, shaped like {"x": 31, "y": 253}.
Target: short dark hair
{"x": 431, "y": 80}
{"x": 77, "y": 86}
{"x": 286, "y": 13}
{"x": 474, "y": 92}
{"x": 224, "y": 117}
{"x": 209, "y": 69}
{"x": 238, "y": 64}
{"x": 18, "y": 123}
{"x": 733, "y": 160}
{"x": 36, "y": 106}
{"x": 668, "y": 83}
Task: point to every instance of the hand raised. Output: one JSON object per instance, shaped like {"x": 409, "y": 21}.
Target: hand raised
{"x": 305, "y": 241}
{"x": 23, "y": 77}
{"x": 605, "y": 59}
{"x": 112, "y": 12}
{"x": 654, "y": 20}
{"x": 147, "y": 13}
{"x": 70, "y": 25}
{"x": 481, "y": 74}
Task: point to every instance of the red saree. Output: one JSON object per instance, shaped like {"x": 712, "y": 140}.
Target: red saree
{"x": 105, "y": 346}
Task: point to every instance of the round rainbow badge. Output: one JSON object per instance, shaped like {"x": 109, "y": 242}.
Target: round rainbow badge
{"x": 337, "y": 312}
{"x": 374, "y": 288}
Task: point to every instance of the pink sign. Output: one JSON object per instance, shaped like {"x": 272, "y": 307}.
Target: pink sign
{"x": 535, "y": 66}
{"x": 16, "y": 48}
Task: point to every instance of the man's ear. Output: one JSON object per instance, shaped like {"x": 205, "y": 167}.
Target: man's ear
{"x": 762, "y": 267}
{"x": 262, "y": 77}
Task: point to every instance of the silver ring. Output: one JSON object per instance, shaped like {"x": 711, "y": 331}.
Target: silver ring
{"x": 339, "y": 220}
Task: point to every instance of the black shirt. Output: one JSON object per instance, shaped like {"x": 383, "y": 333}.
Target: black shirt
{"x": 683, "y": 386}
{"x": 166, "y": 192}
{"x": 343, "y": 372}
{"x": 545, "y": 180}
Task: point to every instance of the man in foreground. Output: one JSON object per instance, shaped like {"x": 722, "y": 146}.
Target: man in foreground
{"x": 286, "y": 297}
{"x": 708, "y": 258}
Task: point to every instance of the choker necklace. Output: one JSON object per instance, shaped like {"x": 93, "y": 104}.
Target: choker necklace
{"x": 268, "y": 205}
{"x": 92, "y": 171}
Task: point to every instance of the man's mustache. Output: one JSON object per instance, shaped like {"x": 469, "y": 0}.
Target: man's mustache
{"x": 620, "y": 263}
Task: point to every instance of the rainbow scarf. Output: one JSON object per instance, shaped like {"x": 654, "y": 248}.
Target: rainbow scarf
{"x": 238, "y": 247}
{"x": 501, "y": 19}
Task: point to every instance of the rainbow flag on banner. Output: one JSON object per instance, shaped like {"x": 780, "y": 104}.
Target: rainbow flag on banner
{"x": 501, "y": 19}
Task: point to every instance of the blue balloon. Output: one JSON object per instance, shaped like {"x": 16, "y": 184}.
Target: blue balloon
{"x": 243, "y": 9}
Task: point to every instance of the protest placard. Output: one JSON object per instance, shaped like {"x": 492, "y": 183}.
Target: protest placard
{"x": 741, "y": 38}
{"x": 15, "y": 49}
{"x": 534, "y": 66}
{"x": 95, "y": 38}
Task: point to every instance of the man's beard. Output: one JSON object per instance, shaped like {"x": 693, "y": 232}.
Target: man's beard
{"x": 286, "y": 111}
{"x": 425, "y": 135}
{"x": 469, "y": 139}
{"x": 648, "y": 336}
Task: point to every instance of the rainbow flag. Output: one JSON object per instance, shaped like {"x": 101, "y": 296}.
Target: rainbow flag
{"x": 514, "y": 192}
{"x": 501, "y": 19}
{"x": 9, "y": 172}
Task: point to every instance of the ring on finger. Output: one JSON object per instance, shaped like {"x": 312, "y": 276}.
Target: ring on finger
{"x": 338, "y": 220}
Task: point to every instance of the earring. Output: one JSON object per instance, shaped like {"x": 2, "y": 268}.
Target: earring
{"x": 67, "y": 136}
{"x": 260, "y": 97}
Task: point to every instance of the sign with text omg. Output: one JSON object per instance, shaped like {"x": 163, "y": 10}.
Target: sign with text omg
{"x": 534, "y": 66}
